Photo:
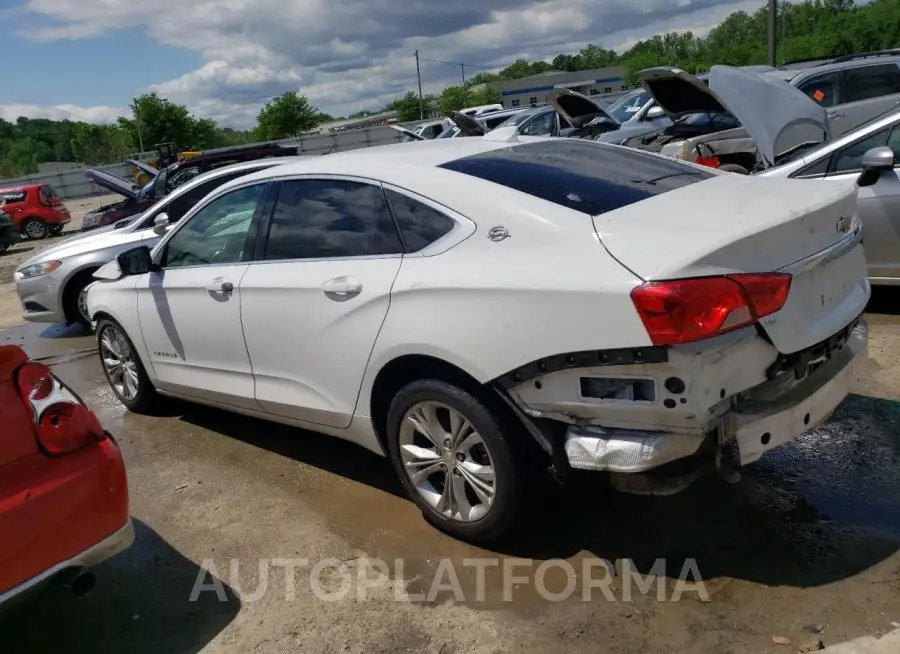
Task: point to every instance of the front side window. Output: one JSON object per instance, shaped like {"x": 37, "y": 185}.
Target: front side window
{"x": 870, "y": 82}
{"x": 821, "y": 88}
{"x": 850, "y": 158}
{"x": 181, "y": 177}
{"x": 420, "y": 224}
{"x": 217, "y": 233}
{"x": 324, "y": 218}
{"x": 181, "y": 203}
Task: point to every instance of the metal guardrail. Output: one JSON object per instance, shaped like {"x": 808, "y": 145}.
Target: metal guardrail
{"x": 71, "y": 183}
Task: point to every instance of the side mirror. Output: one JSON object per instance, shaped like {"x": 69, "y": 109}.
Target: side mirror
{"x": 654, "y": 112}
{"x": 135, "y": 261}
{"x": 874, "y": 162}
{"x": 161, "y": 224}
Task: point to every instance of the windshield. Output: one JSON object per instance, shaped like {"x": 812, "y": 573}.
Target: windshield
{"x": 518, "y": 119}
{"x": 628, "y": 105}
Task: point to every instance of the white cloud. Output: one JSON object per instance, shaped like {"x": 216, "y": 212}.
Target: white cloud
{"x": 97, "y": 115}
{"x": 357, "y": 54}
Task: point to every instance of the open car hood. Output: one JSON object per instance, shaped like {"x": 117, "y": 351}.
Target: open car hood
{"x": 777, "y": 116}
{"x": 576, "y": 108}
{"x": 409, "y": 133}
{"x": 112, "y": 183}
{"x": 678, "y": 92}
{"x": 468, "y": 125}
{"x": 145, "y": 168}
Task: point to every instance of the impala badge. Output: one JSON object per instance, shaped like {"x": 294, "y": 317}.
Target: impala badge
{"x": 844, "y": 224}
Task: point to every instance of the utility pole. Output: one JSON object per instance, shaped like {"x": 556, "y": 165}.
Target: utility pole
{"x": 462, "y": 68}
{"x": 421, "y": 103}
{"x": 773, "y": 16}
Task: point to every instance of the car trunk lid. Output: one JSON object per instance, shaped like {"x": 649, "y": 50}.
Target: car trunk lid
{"x": 17, "y": 439}
{"x": 112, "y": 183}
{"x": 776, "y": 226}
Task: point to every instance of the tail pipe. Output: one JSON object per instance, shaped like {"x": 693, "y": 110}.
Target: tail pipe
{"x": 78, "y": 581}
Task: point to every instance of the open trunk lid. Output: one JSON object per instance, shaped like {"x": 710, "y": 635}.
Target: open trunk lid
{"x": 576, "y": 108}
{"x": 17, "y": 438}
{"x": 741, "y": 224}
{"x": 112, "y": 183}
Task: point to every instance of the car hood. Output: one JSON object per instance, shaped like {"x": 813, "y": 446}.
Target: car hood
{"x": 468, "y": 125}
{"x": 578, "y": 109}
{"x": 777, "y": 116}
{"x": 147, "y": 169}
{"x": 112, "y": 183}
{"x": 409, "y": 133}
{"x": 630, "y": 131}
{"x": 90, "y": 242}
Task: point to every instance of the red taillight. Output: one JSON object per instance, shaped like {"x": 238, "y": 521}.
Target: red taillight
{"x": 61, "y": 421}
{"x": 686, "y": 310}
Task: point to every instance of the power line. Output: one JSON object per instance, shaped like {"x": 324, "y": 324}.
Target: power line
{"x": 457, "y": 63}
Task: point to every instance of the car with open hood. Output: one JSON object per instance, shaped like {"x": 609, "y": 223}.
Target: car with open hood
{"x": 462, "y": 124}
{"x": 138, "y": 199}
{"x": 738, "y": 119}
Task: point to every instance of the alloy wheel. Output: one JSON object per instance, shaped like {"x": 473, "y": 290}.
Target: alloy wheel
{"x": 447, "y": 461}
{"x": 35, "y": 229}
{"x": 119, "y": 363}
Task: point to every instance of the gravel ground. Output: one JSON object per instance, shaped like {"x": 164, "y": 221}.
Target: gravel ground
{"x": 10, "y": 307}
{"x": 803, "y": 549}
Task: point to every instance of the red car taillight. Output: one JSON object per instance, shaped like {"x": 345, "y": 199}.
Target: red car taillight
{"x": 686, "y": 310}
{"x": 62, "y": 422}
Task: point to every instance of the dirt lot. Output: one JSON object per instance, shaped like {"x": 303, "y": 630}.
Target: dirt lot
{"x": 10, "y": 308}
{"x": 806, "y": 542}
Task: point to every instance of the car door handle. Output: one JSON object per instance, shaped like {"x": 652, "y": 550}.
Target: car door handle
{"x": 342, "y": 287}
{"x": 838, "y": 115}
{"x": 219, "y": 285}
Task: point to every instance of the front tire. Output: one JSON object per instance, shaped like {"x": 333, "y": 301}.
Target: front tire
{"x": 455, "y": 460}
{"x": 123, "y": 369}
{"x": 34, "y": 229}
{"x": 75, "y": 298}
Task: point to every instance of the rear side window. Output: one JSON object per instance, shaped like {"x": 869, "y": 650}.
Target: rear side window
{"x": 419, "y": 224}
{"x": 582, "y": 175}
{"x": 821, "y": 88}
{"x": 13, "y": 196}
{"x": 317, "y": 219}
{"x": 870, "y": 82}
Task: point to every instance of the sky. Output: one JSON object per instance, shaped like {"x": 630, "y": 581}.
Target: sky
{"x": 224, "y": 59}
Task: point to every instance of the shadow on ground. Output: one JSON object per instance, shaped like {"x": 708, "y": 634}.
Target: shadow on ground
{"x": 140, "y": 604}
{"x": 811, "y": 513}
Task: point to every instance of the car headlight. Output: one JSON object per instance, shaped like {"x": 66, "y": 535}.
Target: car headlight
{"x": 37, "y": 269}
{"x": 678, "y": 150}
{"x": 90, "y": 219}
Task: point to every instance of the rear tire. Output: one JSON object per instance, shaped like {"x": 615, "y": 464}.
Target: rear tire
{"x": 34, "y": 229}
{"x": 734, "y": 168}
{"x": 486, "y": 484}
{"x": 128, "y": 380}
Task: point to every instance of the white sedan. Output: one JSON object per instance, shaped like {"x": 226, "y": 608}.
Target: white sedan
{"x": 466, "y": 306}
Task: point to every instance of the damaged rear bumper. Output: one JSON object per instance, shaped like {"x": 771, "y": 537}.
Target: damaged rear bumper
{"x": 758, "y": 413}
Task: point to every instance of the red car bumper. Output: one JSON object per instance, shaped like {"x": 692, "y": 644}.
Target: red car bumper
{"x": 58, "y": 513}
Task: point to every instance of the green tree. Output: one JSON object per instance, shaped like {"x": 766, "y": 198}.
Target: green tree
{"x": 454, "y": 98}
{"x": 407, "y": 107}
{"x": 100, "y": 144}
{"x": 287, "y": 115}
{"x": 483, "y": 95}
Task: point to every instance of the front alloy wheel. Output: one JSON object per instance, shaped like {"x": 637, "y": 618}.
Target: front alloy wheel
{"x": 119, "y": 364}
{"x": 123, "y": 368}
{"x": 447, "y": 461}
